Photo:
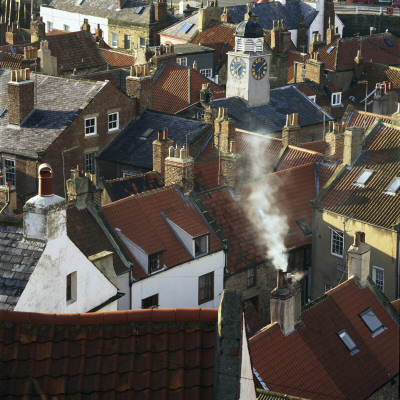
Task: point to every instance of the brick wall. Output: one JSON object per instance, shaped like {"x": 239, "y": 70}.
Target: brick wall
{"x": 179, "y": 171}
{"x": 141, "y": 88}
{"x": 160, "y": 153}
{"x": 315, "y": 71}
{"x": 21, "y": 97}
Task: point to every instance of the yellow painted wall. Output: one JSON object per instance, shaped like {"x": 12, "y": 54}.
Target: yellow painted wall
{"x": 134, "y": 31}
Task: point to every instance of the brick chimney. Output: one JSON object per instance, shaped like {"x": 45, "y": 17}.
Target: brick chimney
{"x": 163, "y": 53}
{"x": 372, "y": 30}
{"x": 226, "y": 16}
{"x": 231, "y": 168}
{"x": 291, "y": 132}
{"x": 139, "y": 86}
{"x": 332, "y": 33}
{"x": 316, "y": 42}
{"x": 385, "y": 99}
{"x": 80, "y": 189}
{"x": 85, "y": 26}
{"x": 161, "y": 151}
{"x": 353, "y": 139}
{"x": 205, "y": 94}
{"x": 280, "y": 37}
{"x": 45, "y": 214}
{"x": 179, "y": 168}
{"x": 21, "y": 96}
{"x": 160, "y": 12}
{"x": 358, "y": 258}
{"x": 315, "y": 69}
{"x": 13, "y": 36}
{"x": 210, "y": 114}
{"x": 224, "y": 131}
{"x": 99, "y": 32}
{"x": 206, "y": 15}
{"x": 38, "y": 30}
{"x": 48, "y": 63}
{"x": 285, "y": 302}
{"x": 30, "y": 52}
{"x": 302, "y": 37}
{"x": 334, "y": 142}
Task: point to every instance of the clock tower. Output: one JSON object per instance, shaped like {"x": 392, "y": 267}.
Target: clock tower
{"x": 248, "y": 65}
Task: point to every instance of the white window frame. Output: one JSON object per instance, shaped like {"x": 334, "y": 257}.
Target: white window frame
{"x": 71, "y": 295}
{"x": 375, "y": 271}
{"x": 313, "y": 98}
{"x": 10, "y": 171}
{"x": 337, "y": 236}
{"x": 395, "y": 183}
{"x": 49, "y": 26}
{"x": 204, "y": 244}
{"x": 372, "y": 322}
{"x": 114, "y": 39}
{"x": 336, "y": 99}
{"x": 182, "y": 61}
{"x": 111, "y": 127}
{"x": 88, "y": 127}
{"x": 207, "y": 72}
{"x": 90, "y": 161}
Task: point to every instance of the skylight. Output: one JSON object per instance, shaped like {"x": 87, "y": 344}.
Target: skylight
{"x": 330, "y": 49}
{"x": 2, "y": 112}
{"x": 139, "y": 10}
{"x": 304, "y": 227}
{"x": 348, "y": 342}
{"x": 394, "y": 186}
{"x": 364, "y": 177}
{"x": 186, "y": 28}
{"x": 372, "y": 322}
{"x": 146, "y": 134}
{"x": 110, "y": 7}
{"x": 388, "y": 42}
{"x": 79, "y": 2}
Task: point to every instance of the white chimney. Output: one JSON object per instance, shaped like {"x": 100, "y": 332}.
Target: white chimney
{"x": 358, "y": 258}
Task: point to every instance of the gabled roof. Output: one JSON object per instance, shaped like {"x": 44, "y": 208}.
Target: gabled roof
{"x": 294, "y": 156}
{"x": 134, "y": 145}
{"x": 139, "y": 354}
{"x": 176, "y": 31}
{"x": 339, "y": 55}
{"x": 176, "y": 87}
{"x": 117, "y": 59}
{"x": 370, "y": 203}
{"x": 18, "y": 259}
{"x": 271, "y": 117}
{"x": 327, "y": 370}
{"x": 59, "y": 101}
{"x": 365, "y": 120}
{"x": 142, "y": 219}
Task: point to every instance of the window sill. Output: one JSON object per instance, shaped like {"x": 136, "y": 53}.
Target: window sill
{"x": 206, "y": 300}
{"x": 112, "y": 131}
{"x": 90, "y": 136}
{"x": 69, "y": 302}
{"x": 337, "y": 255}
{"x": 337, "y": 105}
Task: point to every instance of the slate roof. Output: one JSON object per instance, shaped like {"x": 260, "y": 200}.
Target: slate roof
{"x": 327, "y": 371}
{"x": 140, "y": 354}
{"x": 59, "y": 101}
{"x": 120, "y": 188}
{"x": 294, "y": 189}
{"x": 191, "y": 48}
{"x": 129, "y": 147}
{"x": 271, "y": 117}
{"x": 141, "y": 219}
{"x": 370, "y": 204}
{"x": 174, "y": 30}
{"x": 18, "y": 259}
{"x": 117, "y": 59}
{"x": 176, "y": 87}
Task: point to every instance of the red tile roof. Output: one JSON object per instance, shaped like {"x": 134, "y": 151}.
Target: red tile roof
{"x": 294, "y": 156}
{"x": 141, "y": 218}
{"x": 117, "y": 59}
{"x": 312, "y": 361}
{"x": 140, "y": 354}
{"x": 172, "y": 91}
{"x": 317, "y": 146}
{"x": 365, "y": 120}
{"x": 206, "y": 175}
{"x": 11, "y": 61}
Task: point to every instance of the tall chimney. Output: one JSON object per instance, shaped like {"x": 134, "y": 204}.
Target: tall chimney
{"x": 224, "y": 131}
{"x": 21, "y": 98}
{"x": 285, "y": 302}
{"x": 231, "y": 168}
{"x": 179, "y": 169}
{"x": 85, "y": 26}
{"x": 161, "y": 151}
{"x": 353, "y": 139}
{"x": 139, "y": 86}
{"x": 160, "y": 12}
{"x": 45, "y": 214}
{"x": 38, "y": 30}
{"x": 315, "y": 69}
{"x": 291, "y": 132}
{"x": 334, "y": 142}
{"x": 358, "y": 258}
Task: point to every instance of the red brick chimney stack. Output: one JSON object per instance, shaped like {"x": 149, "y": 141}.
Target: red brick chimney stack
{"x": 45, "y": 181}
{"x": 160, "y": 11}
{"x": 99, "y": 32}
{"x": 85, "y": 26}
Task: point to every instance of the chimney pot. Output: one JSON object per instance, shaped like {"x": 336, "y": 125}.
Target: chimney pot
{"x": 280, "y": 279}
{"x": 165, "y": 133}
{"x": 45, "y": 180}
{"x": 160, "y": 134}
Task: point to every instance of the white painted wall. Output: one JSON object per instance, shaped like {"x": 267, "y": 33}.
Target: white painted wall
{"x": 60, "y": 18}
{"x": 178, "y": 286}
{"x": 168, "y": 39}
{"x": 124, "y": 302}
{"x": 46, "y": 289}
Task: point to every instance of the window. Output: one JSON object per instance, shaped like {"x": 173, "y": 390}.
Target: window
{"x": 150, "y": 302}
{"x": 139, "y": 10}
{"x": 239, "y": 44}
{"x": 206, "y": 72}
{"x": 200, "y": 114}
{"x": 90, "y": 163}
{"x": 330, "y": 49}
{"x": 348, "y": 342}
{"x": 260, "y": 45}
{"x": 336, "y": 99}
{"x": 313, "y": 98}
{"x": 143, "y": 42}
{"x": 394, "y": 186}
{"x": 66, "y": 28}
{"x": 71, "y": 287}
{"x": 49, "y": 26}
{"x": 113, "y": 121}
{"x": 206, "y": 287}
{"x": 154, "y": 262}
{"x": 182, "y": 61}
{"x": 201, "y": 245}
{"x": 372, "y": 322}
{"x": 327, "y": 287}
{"x": 127, "y": 41}
{"x": 248, "y": 45}
{"x": 127, "y": 174}
{"x": 9, "y": 171}
{"x": 378, "y": 275}
{"x": 186, "y": 28}
{"x": 388, "y": 42}
{"x": 364, "y": 177}
{"x": 114, "y": 40}
{"x": 337, "y": 243}
{"x": 251, "y": 277}
{"x": 304, "y": 227}
{"x": 90, "y": 126}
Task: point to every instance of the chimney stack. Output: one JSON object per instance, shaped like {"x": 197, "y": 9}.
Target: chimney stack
{"x": 334, "y": 142}
{"x": 224, "y": 131}
{"x": 332, "y": 33}
{"x": 99, "y": 32}
{"x": 359, "y": 65}
{"x": 139, "y": 86}
{"x": 85, "y": 26}
{"x": 38, "y": 30}
{"x": 206, "y": 15}
{"x": 291, "y": 132}
{"x": 371, "y": 30}
{"x": 385, "y": 99}
{"x": 353, "y": 139}
{"x": 231, "y": 168}
{"x": 161, "y": 151}
{"x": 315, "y": 69}
{"x": 48, "y": 63}
{"x": 161, "y": 12}
{"x": 316, "y": 42}
{"x": 358, "y": 258}
{"x": 21, "y": 96}
{"x": 285, "y": 302}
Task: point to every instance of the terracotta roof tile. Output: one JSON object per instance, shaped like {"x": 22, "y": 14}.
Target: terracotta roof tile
{"x": 317, "y": 146}
{"x": 295, "y": 156}
{"x": 327, "y": 370}
{"x": 365, "y": 120}
{"x": 117, "y": 59}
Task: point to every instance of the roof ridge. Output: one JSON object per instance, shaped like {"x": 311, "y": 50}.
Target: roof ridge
{"x": 126, "y": 178}
{"x": 291, "y": 146}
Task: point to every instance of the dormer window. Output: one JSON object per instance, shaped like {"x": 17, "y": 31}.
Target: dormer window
{"x": 336, "y": 99}
{"x": 201, "y": 245}
{"x": 394, "y": 186}
{"x": 348, "y": 342}
{"x": 364, "y": 177}
{"x": 154, "y": 262}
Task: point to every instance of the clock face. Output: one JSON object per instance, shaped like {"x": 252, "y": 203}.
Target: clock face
{"x": 259, "y": 68}
{"x": 238, "y": 68}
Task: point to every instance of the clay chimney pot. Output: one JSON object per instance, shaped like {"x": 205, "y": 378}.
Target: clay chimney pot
{"x": 45, "y": 173}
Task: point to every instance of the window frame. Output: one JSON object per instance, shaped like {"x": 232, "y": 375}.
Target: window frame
{"x": 114, "y": 43}
{"x": 66, "y": 28}
{"x": 347, "y": 340}
{"x": 206, "y": 285}
{"x": 338, "y": 96}
{"x": 337, "y": 232}
{"x": 251, "y": 277}
{"x": 127, "y": 40}
{"x": 155, "y": 259}
{"x": 182, "y": 61}
{"x": 206, "y": 72}
{"x": 49, "y": 26}
{"x": 376, "y": 331}
{"x": 367, "y": 171}
{"x": 91, "y": 161}
{"x": 375, "y": 269}
{"x": 6, "y": 170}
{"x": 204, "y": 240}
{"x": 94, "y": 133}
{"x": 153, "y": 299}
{"x": 327, "y": 287}
{"x": 392, "y": 183}
{"x": 142, "y": 42}
{"x": 71, "y": 287}
{"x": 112, "y": 122}
{"x": 313, "y": 98}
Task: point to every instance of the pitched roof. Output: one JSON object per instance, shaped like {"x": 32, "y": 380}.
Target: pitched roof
{"x": 124, "y": 354}
{"x": 370, "y": 203}
{"x": 271, "y": 117}
{"x": 176, "y": 31}
{"x": 327, "y": 370}
{"x": 365, "y": 120}
{"x": 117, "y": 59}
{"x": 133, "y": 146}
{"x": 18, "y": 259}
{"x": 294, "y": 156}
{"x": 59, "y": 101}
{"x": 142, "y": 219}
{"x": 176, "y": 87}
{"x": 317, "y": 145}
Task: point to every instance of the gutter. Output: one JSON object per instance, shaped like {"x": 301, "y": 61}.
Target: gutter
{"x": 107, "y": 302}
